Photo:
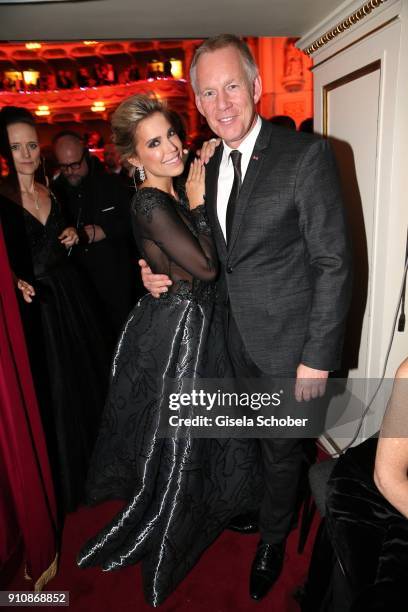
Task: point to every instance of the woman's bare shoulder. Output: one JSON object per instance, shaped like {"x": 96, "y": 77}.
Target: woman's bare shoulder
{"x": 402, "y": 371}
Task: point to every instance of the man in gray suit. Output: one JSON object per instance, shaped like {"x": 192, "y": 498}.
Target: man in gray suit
{"x": 274, "y": 204}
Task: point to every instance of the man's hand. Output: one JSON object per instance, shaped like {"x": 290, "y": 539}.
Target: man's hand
{"x": 94, "y": 232}
{"x": 310, "y": 383}
{"x": 154, "y": 283}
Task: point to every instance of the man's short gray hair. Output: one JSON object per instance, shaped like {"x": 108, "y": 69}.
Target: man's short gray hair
{"x": 221, "y": 42}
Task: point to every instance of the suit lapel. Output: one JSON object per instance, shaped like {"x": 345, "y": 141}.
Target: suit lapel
{"x": 251, "y": 176}
{"x": 211, "y": 185}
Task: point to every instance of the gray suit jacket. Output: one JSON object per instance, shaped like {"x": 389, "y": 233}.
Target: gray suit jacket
{"x": 287, "y": 270}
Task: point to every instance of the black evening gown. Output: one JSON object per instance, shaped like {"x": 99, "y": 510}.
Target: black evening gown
{"x": 66, "y": 348}
{"x": 181, "y": 492}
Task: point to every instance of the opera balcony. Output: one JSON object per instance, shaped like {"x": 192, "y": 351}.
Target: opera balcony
{"x": 84, "y": 104}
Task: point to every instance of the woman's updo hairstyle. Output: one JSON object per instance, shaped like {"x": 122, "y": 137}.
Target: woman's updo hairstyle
{"x": 127, "y": 117}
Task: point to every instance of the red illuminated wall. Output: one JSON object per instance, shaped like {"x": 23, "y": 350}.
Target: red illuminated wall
{"x": 285, "y": 71}
{"x": 286, "y": 76}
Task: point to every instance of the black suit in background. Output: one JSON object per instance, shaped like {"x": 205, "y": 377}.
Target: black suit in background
{"x": 284, "y": 284}
{"x": 104, "y": 200}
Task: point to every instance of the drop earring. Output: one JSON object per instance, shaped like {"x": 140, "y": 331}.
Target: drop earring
{"x": 142, "y": 173}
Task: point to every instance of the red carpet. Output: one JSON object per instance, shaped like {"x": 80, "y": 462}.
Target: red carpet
{"x": 219, "y": 582}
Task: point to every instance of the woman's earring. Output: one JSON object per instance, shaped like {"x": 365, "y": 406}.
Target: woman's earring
{"x": 142, "y": 173}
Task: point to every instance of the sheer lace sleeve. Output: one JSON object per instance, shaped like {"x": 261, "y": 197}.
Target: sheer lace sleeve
{"x": 156, "y": 218}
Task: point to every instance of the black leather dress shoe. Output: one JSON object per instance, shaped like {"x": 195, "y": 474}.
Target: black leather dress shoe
{"x": 244, "y": 523}
{"x": 266, "y": 568}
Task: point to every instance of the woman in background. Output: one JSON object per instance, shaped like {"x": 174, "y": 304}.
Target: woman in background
{"x": 391, "y": 462}
{"x": 66, "y": 349}
{"x": 367, "y": 512}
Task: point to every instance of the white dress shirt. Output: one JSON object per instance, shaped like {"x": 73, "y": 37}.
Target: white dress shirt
{"x": 226, "y": 174}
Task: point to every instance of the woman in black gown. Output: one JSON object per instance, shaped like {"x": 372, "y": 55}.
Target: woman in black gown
{"x": 181, "y": 492}
{"x": 66, "y": 349}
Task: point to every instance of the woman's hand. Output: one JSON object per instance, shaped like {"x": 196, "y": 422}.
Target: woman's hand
{"x": 69, "y": 237}
{"x": 208, "y": 149}
{"x": 195, "y": 184}
{"x": 26, "y": 289}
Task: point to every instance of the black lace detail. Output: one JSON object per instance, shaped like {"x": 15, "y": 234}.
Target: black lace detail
{"x": 148, "y": 198}
{"x": 199, "y": 215}
{"x": 199, "y": 291}
{"x": 174, "y": 240}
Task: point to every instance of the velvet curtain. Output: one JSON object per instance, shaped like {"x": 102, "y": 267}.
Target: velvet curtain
{"x": 27, "y": 502}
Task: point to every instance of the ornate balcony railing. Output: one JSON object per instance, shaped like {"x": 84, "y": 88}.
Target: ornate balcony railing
{"x": 79, "y": 104}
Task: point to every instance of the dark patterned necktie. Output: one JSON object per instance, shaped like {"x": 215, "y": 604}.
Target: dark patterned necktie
{"x": 235, "y": 156}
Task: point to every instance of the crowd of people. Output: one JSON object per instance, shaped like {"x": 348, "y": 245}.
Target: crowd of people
{"x": 84, "y": 76}
{"x": 247, "y": 264}
{"x": 66, "y": 345}
{"x": 73, "y": 258}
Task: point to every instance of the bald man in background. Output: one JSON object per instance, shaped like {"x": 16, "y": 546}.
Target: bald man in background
{"x": 98, "y": 204}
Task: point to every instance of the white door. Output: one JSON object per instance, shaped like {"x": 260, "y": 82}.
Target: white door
{"x": 355, "y": 105}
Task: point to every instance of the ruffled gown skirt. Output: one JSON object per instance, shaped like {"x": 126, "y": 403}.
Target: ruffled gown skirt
{"x": 181, "y": 492}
